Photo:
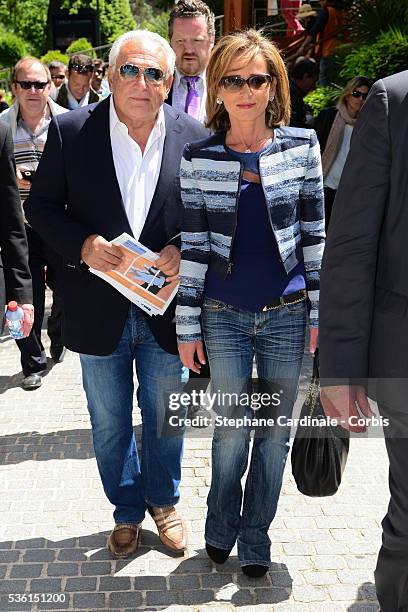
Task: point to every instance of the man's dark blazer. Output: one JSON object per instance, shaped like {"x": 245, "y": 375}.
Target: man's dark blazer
{"x": 15, "y": 278}
{"x": 364, "y": 280}
{"x": 76, "y": 194}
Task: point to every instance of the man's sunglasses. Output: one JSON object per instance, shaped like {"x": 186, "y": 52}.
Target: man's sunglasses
{"x": 30, "y": 84}
{"x": 80, "y": 69}
{"x": 236, "y": 82}
{"x": 131, "y": 71}
{"x": 58, "y": 77}
{"x": 359, "y": 94}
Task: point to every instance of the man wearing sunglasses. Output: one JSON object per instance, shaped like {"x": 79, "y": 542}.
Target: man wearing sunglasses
{"x": 191, "y": 34}
{"x": 364, "y": 308}
{"x": 77, "y": 91}
{"x": 112, "y": 168}
{"x": 29, "y": 118}
{"x": 58, "y": 72}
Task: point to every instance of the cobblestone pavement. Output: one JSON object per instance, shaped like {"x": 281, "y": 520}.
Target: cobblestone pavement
{"x": 55, "y": 519}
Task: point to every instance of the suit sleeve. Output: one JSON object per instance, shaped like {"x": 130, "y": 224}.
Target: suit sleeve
{"x": 46, "y": 206}
{"x": 13, "y": 241}
{"x": 350, "y": 259}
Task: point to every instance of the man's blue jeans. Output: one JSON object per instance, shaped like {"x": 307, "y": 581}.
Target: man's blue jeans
{"x": 233, "y": 338}
{"x": 131, "y": 484}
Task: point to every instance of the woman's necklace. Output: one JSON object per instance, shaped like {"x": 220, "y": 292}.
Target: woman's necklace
{"x": 249, "y": 147}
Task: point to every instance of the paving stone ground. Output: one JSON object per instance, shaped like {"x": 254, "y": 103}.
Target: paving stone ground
{"x": 55, "y": 520}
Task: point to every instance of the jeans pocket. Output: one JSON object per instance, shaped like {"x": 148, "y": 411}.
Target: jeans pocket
{"x": 297, "y": 308}
{"x": 211, "y": 305}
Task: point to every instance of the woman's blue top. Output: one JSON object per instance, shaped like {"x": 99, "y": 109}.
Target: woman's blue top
{"x": 257, "y": 273}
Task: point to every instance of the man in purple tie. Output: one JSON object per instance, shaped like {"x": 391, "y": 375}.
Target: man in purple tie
{"x": 191, "y": 34}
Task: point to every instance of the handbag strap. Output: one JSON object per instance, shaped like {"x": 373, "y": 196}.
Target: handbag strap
{"x": 316, "y": 368}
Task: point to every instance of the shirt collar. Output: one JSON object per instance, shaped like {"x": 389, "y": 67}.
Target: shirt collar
{"x": 159, "y": 128}
{"x": 178, "y": 76}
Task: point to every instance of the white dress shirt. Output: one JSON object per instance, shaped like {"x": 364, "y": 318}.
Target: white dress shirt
{"x": 180, "y": 93}
{"x": 137, "y": 173}
{"x": 333, "y": 177}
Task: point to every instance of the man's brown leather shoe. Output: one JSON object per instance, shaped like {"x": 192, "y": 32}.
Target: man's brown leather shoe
{"x": 124, "y": 540}
{"x": 172, "y": 531}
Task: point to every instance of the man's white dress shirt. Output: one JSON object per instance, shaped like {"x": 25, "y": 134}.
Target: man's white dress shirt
{"x": 137, "y": 173}
{"x": 180, "y": 94}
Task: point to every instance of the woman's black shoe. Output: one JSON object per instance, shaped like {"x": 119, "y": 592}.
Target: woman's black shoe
{"x": 218, "y": 555}
{"x": 254, "y": 571}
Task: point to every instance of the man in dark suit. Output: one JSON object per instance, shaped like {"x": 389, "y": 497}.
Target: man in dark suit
{"x": 191, "y": 33}
{"x": 15, "y": 278}
{"x": 364, "y": 307}
{"x": 109, "y": 169}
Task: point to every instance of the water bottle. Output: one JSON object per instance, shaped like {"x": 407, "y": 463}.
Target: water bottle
{"x": 15, "y": 320}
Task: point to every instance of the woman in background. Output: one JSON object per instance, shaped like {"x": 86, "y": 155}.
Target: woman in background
{"x": 334, "y": 127}
{"x": 252, "y": 242}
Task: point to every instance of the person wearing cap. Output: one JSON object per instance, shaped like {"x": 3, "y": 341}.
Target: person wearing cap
{"x": 77, "y": 92}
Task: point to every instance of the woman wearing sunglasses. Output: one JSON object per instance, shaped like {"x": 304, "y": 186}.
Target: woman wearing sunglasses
{"x": 334, "y": 127}
{"x": 252, "y": 242}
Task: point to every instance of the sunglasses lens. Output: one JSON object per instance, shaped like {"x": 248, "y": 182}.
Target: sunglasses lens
{"x": 128, "y": 71}
{"x": 29, "y": 84}
{"x": 153, "y": 74}
{"x": 233, "y": 83}
{"x": 257, "y": 81}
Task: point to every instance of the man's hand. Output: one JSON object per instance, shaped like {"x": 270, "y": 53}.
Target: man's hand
{"x": 187, "y": 351}
{"x": 22, "y": 183}
{"x": 314, "y": 334}
{"x": 100, "y": 254}
{"x": 169, "y": 262}
{"x": 28, "y": 310}
{"x": 342, "y": 402}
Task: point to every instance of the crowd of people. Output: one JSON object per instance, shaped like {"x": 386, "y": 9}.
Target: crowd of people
{"x": 197, "y": 153}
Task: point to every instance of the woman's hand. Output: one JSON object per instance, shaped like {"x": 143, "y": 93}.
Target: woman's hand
{"x": 187, "y": 350}
{"x": 314, "y": 334}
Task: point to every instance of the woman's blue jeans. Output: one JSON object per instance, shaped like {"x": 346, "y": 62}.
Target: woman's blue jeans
{"x": 233, "y": 338}
{"x": 129, "y": 483}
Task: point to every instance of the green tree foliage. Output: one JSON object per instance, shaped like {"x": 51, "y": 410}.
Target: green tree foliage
{"x": 322, "y": 97}
{"x": 369, "y": 18}
{"x": 12, "y": 48}
{"x": 157, "y": 24}
{"x": 387, "y": 55}
{"x": 81, "y": 45}
{"x": 115, "y": 15}
{"x": 54, "y": 56}
{"x": 25, "y": 18}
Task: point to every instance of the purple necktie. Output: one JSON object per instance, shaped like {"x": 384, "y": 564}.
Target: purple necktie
{"x": 192, "y": 106}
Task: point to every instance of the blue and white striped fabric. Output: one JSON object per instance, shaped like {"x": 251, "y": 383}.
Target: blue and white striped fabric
{"x": 291, "y": 178}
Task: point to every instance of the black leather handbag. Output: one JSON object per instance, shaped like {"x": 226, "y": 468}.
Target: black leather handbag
{"x": 319, "y": 450}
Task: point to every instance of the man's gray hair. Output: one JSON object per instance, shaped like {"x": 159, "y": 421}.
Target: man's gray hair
{"x": 147, "y": 37}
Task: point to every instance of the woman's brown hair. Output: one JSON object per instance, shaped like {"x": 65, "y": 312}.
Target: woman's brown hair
{"x": 246, "y": 43}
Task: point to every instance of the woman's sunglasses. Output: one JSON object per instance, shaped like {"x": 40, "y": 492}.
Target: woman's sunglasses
{"x": 359, "y": 94}
{"x": 151, "y": 75}
{"x": 236, "y": 82}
